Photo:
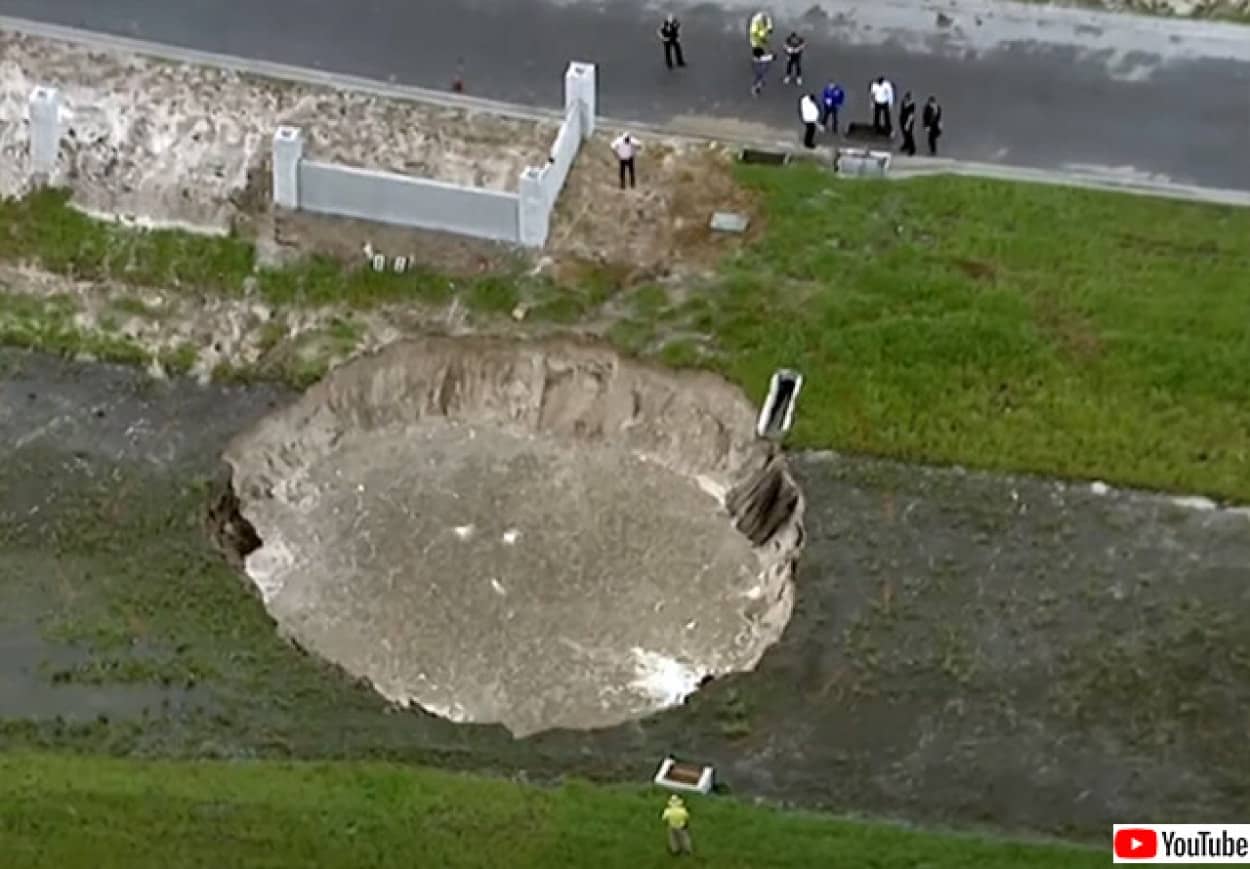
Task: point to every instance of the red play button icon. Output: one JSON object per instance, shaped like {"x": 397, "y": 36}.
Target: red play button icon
{"x": 1136, "y": 843}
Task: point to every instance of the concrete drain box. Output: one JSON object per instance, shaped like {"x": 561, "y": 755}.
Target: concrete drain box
{"x": 679, "y": 776}
{"x": 777, "y": 415}
{"x": 761, "y": 157}
{"x": 861, "y": 163}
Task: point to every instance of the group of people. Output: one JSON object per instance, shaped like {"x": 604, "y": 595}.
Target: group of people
{"x": 820, "y": 112}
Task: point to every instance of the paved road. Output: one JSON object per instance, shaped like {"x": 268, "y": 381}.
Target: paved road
{"x": 1026, "y": 86}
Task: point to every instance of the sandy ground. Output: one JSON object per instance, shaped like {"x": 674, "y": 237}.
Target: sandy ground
{"x": 963, "y": 648}
{"x": 172, "y": 144}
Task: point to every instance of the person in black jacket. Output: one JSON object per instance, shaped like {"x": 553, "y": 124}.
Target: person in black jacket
{"x": 670, "y": 35}
{"x": 932, "y": 119}
{"x": 794, "y": 58}
{"x": 907, "y": 123}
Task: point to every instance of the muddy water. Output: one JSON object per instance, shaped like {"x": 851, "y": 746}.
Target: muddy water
{"x": 964, "y": 648}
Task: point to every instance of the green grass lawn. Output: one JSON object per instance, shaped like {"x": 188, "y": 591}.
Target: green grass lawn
{"x": 1017, "y": 327}
{"x": 999, "y": 326}
{"x": 1013, "y": 327}
{"x": 62, "y": 813}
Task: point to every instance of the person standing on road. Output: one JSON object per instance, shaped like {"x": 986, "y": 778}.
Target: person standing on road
{"x": 932, "y": 120}
{"x": 907, "y": 123}
{"x": 761, "y": 60}
{"x": 831, "y": 100}
{"x": 794, "y": 58}
{"x": 810, "y": 113}
{"x": 625, "y": 146}
{"x": 882, "y": 94}
{"x": 670, "y": 35}
{"x": 760, "y": 31}
{"x": 677, "y": 817}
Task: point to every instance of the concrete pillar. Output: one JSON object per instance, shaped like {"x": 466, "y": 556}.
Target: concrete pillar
{"x": 288, "y": 150}
{"x": 581, "y": 87}
{"x": 534, "y": 211}
{"x": 45, "y": 130}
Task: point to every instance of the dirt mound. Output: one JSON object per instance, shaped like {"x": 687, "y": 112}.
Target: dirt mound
{"x": 540, "y": 535}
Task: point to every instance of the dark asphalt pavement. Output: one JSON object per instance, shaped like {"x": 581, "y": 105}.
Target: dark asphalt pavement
{"x": 1026, "y": 86}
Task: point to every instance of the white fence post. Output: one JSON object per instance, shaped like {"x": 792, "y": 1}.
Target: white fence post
{"x": 288, "y": 150}
{"x": 580, "y": 86}
{"x": 45, "y": 130}
{"x": 534, "y": 211}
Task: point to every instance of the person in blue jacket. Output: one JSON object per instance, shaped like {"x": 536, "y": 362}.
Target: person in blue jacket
{"x": 831, "y": 100}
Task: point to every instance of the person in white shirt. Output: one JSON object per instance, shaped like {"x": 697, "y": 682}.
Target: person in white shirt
{"x": 882, "y": 94}
{"x": 809, "y": 111}
{"x": 625, "y": 146}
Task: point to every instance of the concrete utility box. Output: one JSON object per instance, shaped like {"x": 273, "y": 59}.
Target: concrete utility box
{"x": 777, "y": 413}
{"x": 729, "y": 221}
{"x": 689, "y": 777}
{"x": 862, "y": 163}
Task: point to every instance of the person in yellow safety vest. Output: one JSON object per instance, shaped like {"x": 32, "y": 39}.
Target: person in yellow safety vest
{"x": 677, "y": 817}
{"x": 761, "y": 30}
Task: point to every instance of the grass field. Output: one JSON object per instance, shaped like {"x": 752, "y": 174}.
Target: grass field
{"x": 1064, "y": 332}
{"x": 63, "y": 813}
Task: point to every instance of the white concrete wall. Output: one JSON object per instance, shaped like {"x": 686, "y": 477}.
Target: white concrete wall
{"x": 388, "y": 197}
{"x": 563, "y": 153}
{"x": 539, "y": 187}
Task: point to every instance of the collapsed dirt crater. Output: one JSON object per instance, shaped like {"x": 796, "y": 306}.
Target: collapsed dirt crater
{"x": 540, "y": 535}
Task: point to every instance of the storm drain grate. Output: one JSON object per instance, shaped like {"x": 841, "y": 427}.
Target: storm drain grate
{"x": 764, "y": 158}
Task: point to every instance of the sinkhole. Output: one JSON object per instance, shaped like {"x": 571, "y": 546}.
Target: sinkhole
{"x": 536, "y": 534}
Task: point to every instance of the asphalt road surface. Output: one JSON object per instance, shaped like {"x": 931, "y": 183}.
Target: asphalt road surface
{"x": 1020, "y": 85}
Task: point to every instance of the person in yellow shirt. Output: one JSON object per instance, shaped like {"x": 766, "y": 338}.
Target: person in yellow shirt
{"x": 677, "y": 817}
{"x": 761, "y": 28}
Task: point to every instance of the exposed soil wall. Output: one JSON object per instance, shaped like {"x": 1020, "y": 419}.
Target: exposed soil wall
{"x": 660, "y": 535}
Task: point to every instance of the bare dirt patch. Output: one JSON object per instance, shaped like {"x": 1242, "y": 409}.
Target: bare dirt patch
{"x": 173, "y": 144}
{"x": 663, "y": 225}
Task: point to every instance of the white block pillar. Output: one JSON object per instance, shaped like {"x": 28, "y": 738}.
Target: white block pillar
{"x": 534, "y": 211}
{"x": 288, "y": 150}
{"x": 581, "y": 88}
{"x": 45, "y": 130}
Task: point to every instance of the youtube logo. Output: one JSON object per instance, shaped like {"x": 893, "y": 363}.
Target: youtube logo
{"x": 1180, "y": 844}
{"x": 1136, "y": 843}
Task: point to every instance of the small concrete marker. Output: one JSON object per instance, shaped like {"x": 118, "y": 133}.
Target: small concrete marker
{"x": 690, "y": 777}
{"x": 729, "y": 221}
{"x": 400, "y": 265}
{"x": 379, "y": 262}
{"x": 777, "y": 413}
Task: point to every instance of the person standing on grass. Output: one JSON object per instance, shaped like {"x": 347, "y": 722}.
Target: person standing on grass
{"x": 831, "y": 100}
{"x": 794, "y": 58}
{"x": 625, "y": 146}
{"x": 761, "y": 60}
{"x": 670, "y": 35}
{"x": 932, "y": 120}
{"x": 810, "y": 113}
{"x": 882, "y": 94}
{"x": 677, "y": 817}
{"x": 907, "y": 123}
